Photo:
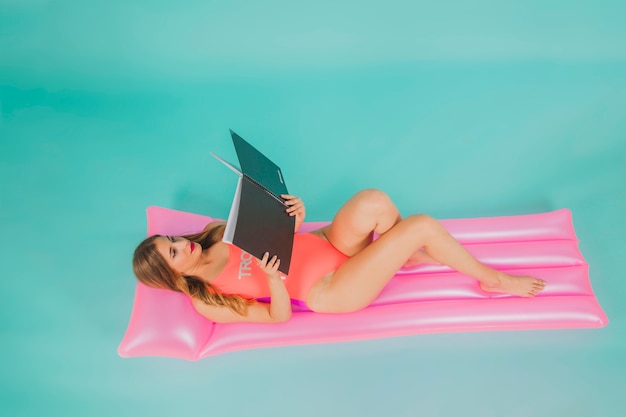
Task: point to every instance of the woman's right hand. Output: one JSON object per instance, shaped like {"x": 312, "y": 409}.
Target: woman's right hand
{"x": 280, "y": 303}
{"x": 270, "y": 266}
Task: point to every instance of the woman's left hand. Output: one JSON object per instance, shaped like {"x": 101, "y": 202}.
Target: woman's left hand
{"x": 295, "y": 207}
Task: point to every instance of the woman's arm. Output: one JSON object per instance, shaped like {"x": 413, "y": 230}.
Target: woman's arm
{"x": 280, "y": 303}
{"x": 295, "y": 208}
{"x": 277, "y": 311}
{"x": 256, "y": 313}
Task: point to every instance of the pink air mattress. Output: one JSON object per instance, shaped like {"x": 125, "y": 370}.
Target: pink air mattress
{"x": 424, "y": 299}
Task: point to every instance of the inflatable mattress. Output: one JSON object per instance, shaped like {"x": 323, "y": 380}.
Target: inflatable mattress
{"x": 423, "y": 299}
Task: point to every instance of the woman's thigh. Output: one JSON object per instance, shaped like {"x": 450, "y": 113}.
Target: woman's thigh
{"x": 360, "y": 279}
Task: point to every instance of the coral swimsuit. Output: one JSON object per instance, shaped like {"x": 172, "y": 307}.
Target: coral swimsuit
{"x": 312, "y": 258}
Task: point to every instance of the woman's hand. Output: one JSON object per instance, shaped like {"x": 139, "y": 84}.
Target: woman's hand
{"x": 280, "y": 303}
{"x": 270, "y": 265}
{"x": 295, "y": 207}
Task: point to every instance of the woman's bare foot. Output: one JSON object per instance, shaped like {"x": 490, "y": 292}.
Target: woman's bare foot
{"x": 420, "y": 257}
{"x": 511, "y": 284}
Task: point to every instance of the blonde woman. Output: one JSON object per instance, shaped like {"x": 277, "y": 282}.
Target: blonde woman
{"x": 336, "y": 269}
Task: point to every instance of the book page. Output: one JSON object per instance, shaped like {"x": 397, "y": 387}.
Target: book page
{"x": 231, "y": 223}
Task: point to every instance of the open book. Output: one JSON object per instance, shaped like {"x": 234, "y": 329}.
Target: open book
{"x": 258, "y": 222}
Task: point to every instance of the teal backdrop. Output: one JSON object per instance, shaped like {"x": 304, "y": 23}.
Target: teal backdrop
{"x": 455, "y": 108}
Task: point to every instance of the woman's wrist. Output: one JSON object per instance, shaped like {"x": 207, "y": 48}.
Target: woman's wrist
{"x": 274, "y": 277}
{"x": 280, "y": 303}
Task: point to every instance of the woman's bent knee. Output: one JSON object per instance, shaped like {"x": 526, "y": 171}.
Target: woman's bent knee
{"x": 374, "y": 197}
{"x": 377, "y": 206}
{"x": 423, "y": 223}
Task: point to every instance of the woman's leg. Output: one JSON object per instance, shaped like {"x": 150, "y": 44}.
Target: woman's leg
{"x": 361, "y": 278}
{"x": 367, "y": 212}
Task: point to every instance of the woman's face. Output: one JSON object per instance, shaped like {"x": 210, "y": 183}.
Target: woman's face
{"x": 182, "y": 255}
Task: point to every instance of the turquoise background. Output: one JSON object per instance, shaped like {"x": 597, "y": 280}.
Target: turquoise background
{"x": 457, "y": 109}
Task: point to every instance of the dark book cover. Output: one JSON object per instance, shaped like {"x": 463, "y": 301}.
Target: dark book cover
{"x": 258, "y": 222}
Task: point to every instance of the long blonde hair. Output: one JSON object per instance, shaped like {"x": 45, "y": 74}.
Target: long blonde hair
{"x": 152, "y": 270}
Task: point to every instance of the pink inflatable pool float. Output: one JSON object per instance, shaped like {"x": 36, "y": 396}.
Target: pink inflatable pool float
{"x": 425, "y": 299}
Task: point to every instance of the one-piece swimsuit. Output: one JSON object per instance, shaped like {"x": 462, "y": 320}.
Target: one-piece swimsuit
{"x": 312, "y": 258}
